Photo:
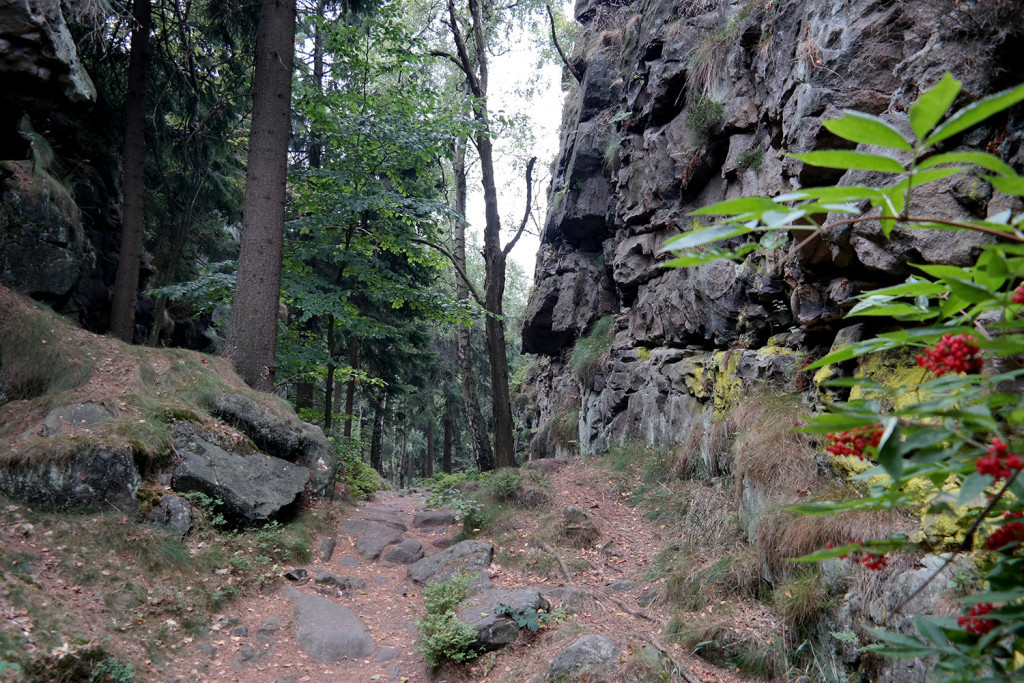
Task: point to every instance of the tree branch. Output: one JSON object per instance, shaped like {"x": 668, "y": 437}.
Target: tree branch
{"x": 460, "y": 46}
{"x": 455, "y": 264}
{"x": 554, "y": 37}
{"x": 449, "y": 56}
{"x": 529, "y": 200}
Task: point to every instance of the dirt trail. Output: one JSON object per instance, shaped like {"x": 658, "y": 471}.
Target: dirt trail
{"x": 261, "y": 645}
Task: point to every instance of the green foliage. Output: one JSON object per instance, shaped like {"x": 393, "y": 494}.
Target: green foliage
{"x": 361, "y": 480}
{"x": 443, "y": 637}
{"x": 529, "y": 618}
{"x": 504, "y": 484}
{"x": 704, "y": 116}
{"x": 592, "y": 349}
{"x": 751, "y": 158}
{"x": 948, "y": 445}
{"x": 448, "y": 493}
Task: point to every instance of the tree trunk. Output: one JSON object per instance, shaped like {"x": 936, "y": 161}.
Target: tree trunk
{"x": 126, "y": 284}
{"x": 252, "y": 337}
{"x": 446, "y": 450}
{"x": 494, "y": 326}
{"x": 304, "y": 395}
{"x": 350, "y": 392}
{"x": 475, "y": 421}
{"x": 404, "y": 467}
{"x": 377, "y": 440}
{"x": 329, "y": 383}
{"x": 428, "y": 466}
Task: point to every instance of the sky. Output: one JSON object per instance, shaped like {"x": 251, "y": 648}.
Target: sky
{"x": 518, "y": 88}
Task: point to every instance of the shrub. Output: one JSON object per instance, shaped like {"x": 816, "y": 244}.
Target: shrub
{"x": 443, "y": 637}
{"x": 956, "y": 439}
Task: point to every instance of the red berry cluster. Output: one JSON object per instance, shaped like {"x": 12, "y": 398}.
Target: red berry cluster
{"x": 872, "y": 561}
{"x": 1018, "y": 294}
{"x": 855, "y": 441}
{"x": 1009, "y": 532}
{"x": 952, "y": 353}
{"x": 997, "y": 462}
{"x": 973, "y": 622}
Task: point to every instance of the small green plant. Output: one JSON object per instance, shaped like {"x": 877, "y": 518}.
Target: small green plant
{"x": 530, "y": 618}
{"x": 565, "y": 427}
{"x": 443, "y": 637}
{"x": 209, "y": 507}
{"x": 704, "y": 116}
{"x": 448, "y": 493}
{"x": 751, "y": 158}
{"x": 643, "y": 353}
{"x": 112, "y": 670}
{"x": 503, "y": 485}
{"x": 591, "y": 349}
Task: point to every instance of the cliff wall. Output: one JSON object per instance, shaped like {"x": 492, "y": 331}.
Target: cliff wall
{"x": 684, "y": 103}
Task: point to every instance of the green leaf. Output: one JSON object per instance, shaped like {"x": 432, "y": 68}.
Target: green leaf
{"x": 705, "y": 235}
{"x": 983, "y": 159}
{"x": 933, "y": 104}
{"x": 737, "y": 207}
{"x": 976, "y": 113}
{"x": 860, "y": 161}
{"x": 1009, "y": 184}
{"x": 827, "y": 553}
{"x": 860, "y": 127}
{"x": 929, "y": 630}
{"x": 889, "y": 455}
{"x": 972, "y": 487}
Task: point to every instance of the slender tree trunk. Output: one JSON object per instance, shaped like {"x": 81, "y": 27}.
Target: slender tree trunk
{"x": 475, "y": 421}
{"x": 405, "y": 468}
{"x": 126, "y": 284}
{"x": 377, "y": 440}
{"x": 350, "y": 392}
{"x": 446, "y": 449}
{"x": 304, "y": 395}
{"x": 329, "y": 383}
{"x": 428, "y": 466}
{"x": 252, "y": 337}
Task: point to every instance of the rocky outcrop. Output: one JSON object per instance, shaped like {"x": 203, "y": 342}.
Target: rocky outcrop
{"x": 251, "y": 488}
{"x": 688, "y": 102}
{"x": 38, "y": 59}
{"x": 282, "y": 435}
{"x": 467, "y": 556}
{"x": 96, "y": 476}
{"x": 484, "y": 611}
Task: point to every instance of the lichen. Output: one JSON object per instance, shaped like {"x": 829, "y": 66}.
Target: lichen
{"x": 727, "y": 384}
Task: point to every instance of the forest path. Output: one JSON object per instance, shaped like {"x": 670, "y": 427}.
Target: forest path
{"x": 258, "y": 637}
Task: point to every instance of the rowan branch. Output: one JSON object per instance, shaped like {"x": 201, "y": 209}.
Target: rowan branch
{"x": 463, "y": 51}
{"x": 529, "y": 201}
{"x": 558, "y": 46}
{"x": 455, "y": 264}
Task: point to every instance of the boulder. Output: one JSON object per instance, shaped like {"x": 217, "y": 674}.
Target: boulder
{"x": 329, "y": 632}
{"x": 467, "y": 556}
{"x": 323, "y": 577}
{"x": 493, "y": 630}
{"x": 429, "y": 519}
{"x": 282, "y": 435}
{"x": 253, "y": 488}
{"x": 408, "y": 551}
{"x": 96, "y": 476}
{"x": 583, "y": 655}
{"x": 174, "y": 512}
{"x": 372, "y": 542}
{"x": 77, "y": 415}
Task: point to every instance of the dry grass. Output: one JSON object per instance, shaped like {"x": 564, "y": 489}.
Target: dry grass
{"x": 784, "y": 534}
{"x": 740, "y": 635}
{"x": 767, "y": 453}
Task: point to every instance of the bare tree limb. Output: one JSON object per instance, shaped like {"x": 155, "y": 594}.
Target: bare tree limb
{"x": 554, "y": 37}
{"x": 458, "y": 269}
{"x": 450, "y": 57}
{"x": 529, "y": 201}
{"x": 463, "y": 52}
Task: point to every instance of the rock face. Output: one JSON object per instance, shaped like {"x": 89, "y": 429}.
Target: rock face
{"x": 686, "y": 103}
{"x": 38, "y": 59}
{"x": 254, "y": 488}
{"x": 97, "y": 476}
{"x": 283, "y": 436}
